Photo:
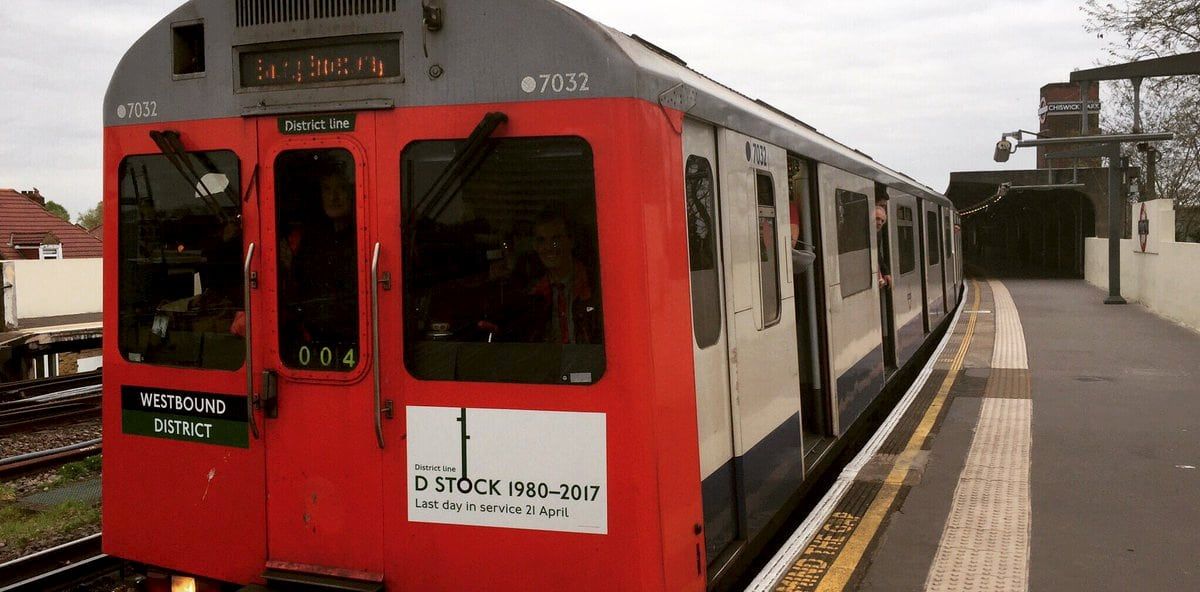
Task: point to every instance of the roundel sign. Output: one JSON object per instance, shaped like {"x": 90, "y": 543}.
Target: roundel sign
{"x": 1143, "y": 228}
{"x": 1043, "y": 109}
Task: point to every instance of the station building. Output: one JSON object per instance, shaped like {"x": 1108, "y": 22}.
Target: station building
{"x": 1036, "y": 225}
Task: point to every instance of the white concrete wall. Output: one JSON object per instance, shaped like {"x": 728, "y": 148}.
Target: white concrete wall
{"x": 1165, "y": 278}
{"x": 52, "y": 288}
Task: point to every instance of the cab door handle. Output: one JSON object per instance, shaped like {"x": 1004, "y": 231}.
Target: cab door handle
{"x": 381, "y": 407}
{"x": 249, "y": 280}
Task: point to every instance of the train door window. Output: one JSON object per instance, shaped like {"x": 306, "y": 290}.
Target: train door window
{"x": 931, "y": 231}
{"x": 180, "y": 271}
{"x": 854, "y": 226}
{"x": 907, "y": 237}
{"x": 501, "y": 262}
{"x": 317, "y": 259}
{"x": 700, "y": 190}
{"x": 947, "y": 242}
{"x": 768, "y": 247}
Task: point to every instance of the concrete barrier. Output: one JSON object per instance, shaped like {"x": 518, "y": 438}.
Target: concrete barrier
{"x": 49, "y": 288}
{"x": 1164, "y": 275}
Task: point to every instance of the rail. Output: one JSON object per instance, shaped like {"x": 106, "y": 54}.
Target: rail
{"x": 58, "y": 568}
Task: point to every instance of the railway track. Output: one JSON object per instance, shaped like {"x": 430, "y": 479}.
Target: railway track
{"x": 27, "y": 389}
{"x": 30, "y": 414}
{"x": 32, "y": 404}
{"x": 58, "y": 568}
{"x": 34, "y": 462}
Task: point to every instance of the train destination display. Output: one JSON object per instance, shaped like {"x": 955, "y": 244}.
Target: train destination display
{"x": 323, "y": 62}
{"x": 540, "y": 470}
{"x": 184, "y": 415}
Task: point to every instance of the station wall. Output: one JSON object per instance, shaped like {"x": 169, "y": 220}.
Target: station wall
{"x": 1163, "y": 277}
{"x": 37, "y": 288}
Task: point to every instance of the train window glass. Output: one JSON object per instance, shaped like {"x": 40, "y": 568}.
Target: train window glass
{"x": 180, "y": 270}
{"x": 947, "y": 243}
{"x": 188, "y": 48}
{"x": 907, "y": 238}
{"x": 854, "y": 226}
{"x": 768, "y": 248}
{"x": 317, "y": 260}
{"x": 501, "y": 262}
{"x": 700, "y": 190}
{"x": 931, "y": 232}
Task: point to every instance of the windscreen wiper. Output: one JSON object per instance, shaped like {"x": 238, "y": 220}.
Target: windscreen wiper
{"x": 460, "y": 168}
{"x": 171, "y": 146}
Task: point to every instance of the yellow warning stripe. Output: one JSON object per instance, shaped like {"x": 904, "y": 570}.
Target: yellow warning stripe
{"x": 843, "y": 567}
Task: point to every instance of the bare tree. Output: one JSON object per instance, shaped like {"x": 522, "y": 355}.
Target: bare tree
{"x": 1144, "y": 29}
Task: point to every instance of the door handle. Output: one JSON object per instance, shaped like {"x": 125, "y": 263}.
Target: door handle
{"x": 270, "y": 394}
{"x": 249, "y": 278}
{"x": 381, "y": 407}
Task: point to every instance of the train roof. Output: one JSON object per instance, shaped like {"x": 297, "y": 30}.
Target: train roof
{"x": 486, "y": 52}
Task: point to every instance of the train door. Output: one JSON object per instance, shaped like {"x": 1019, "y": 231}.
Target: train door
{"x": 760, "y": 315}
{"x": 807, "y": 273}
{"x": 906, "y": 279}
{"x": 714, "y": 412}
{"x": 884, "y": 216}
{"x": 951, "y": 267}
{"x": 934, "y": 280}
{"x": 323, "y": 465}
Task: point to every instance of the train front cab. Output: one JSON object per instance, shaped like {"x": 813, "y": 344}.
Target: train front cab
{"x": 314, "y": 484}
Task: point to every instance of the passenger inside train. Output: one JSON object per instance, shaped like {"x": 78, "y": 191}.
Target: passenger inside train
{"x": 318, "y": 289}
{"x": 501, "y": 273}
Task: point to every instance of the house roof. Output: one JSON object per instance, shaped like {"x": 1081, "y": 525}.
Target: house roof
{"x": 25, "y": 223}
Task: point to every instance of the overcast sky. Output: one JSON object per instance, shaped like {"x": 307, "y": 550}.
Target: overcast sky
{"x": 924, "y": 86}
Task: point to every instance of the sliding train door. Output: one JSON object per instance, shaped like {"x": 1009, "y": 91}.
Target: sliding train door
{"x": 761, "y": 320}
{"x": 714, "y": 412}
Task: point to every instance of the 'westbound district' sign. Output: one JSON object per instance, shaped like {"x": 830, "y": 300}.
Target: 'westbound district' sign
{"x": 184, "y": 415}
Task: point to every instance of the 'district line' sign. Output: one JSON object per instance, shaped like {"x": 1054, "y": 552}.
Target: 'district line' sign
{"x": 293, "y": 125}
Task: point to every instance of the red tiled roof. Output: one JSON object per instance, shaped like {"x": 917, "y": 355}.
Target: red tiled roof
{"x": 25, "y": 222}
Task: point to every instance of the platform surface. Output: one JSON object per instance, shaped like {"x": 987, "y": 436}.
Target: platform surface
{"x": 1054, "y": 446}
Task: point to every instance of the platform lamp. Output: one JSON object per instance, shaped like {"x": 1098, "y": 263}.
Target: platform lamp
{"x": 1005, "y": 148}
{"x": 1108, "y": 146}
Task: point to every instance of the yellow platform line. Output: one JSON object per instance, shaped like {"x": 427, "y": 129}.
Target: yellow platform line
{"x": 839, "y": 574}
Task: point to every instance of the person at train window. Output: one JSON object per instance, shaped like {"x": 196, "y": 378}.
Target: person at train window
{"x": 319, "y": 291}
{"x": 881, "y": 234}
{"x": 562, "y": 307}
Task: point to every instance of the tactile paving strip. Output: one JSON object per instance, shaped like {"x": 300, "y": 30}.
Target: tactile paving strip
{"x": 985, "y": 543}
{"x": 1010, "y": 335}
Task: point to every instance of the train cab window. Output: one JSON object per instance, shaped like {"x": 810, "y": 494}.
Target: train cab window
{"x": 317, "y": 259}
{"x": 854, "y": 227}
{"x": 768, "y": 248}
{"x": 180, "y": 271}
{"x": 700, "y": 189}
{"x": 934, "y": 250}
{"x": 907, "y": 238}
{"x": 501, "y": 262}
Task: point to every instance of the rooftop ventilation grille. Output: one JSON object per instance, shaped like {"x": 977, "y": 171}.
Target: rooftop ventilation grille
{"x": 264, "y": 12}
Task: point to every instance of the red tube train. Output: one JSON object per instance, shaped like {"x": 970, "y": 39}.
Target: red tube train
{"x": 408, "y": 296}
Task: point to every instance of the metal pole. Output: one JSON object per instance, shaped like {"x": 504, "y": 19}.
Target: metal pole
{"x": 1084, "y": 87}
{"x": 1115, "y": 210}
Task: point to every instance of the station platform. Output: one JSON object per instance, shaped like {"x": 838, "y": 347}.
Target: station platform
{"x": 1051, "y": 444}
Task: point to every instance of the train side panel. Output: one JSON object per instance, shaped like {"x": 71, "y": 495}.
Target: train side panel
{"x": 852, "y": 291}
